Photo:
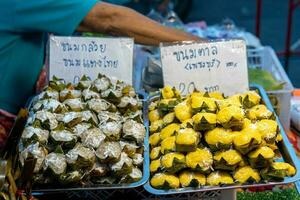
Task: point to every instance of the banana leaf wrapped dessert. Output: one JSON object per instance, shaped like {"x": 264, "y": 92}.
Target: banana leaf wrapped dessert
{"x": 51, "y": 105}
{"x": 169, "y": 130}
{"x": 106, "y": 116}
{"x": 215, "y": 95}
{"x": 165, "y": 181}
{"x": 205, "y": 104}
{"x": 219, "y": 139}
{"x": 74, "y": 104}
{"x": 134, "y": 176}
{"x": 167, "y": 105}
{"x": 154, "y": 115}
{"x": 70, "y": 178}
{"x": 37, "y": 152}
{"x": 231, "y": 116}
{"x": 261, "y": 157}
{"x": 112, "y": 130}
{"x": 154, "y": 139}
{"x": 183, "y": 111}
{"x": 168, "y": 145}
{"x": 129, "y": 147}
{"x": 92, "y": 138}
{"x": 247, "y": 140}
{"x": 55, "y": 164}
{"x": 155, "y": 166}
{"x": 99, "y": 170}
{"x": 133, "y": 130}
{"x": 277, "y": 171}
{"x": 246, "y": 174}
{"x": 109, "y": 152}
{"x": 155, "y": 153}
{"x": 173, "y": 162}
{"x": 268, "y": 130}
{"x": 56, "y": 84}
{"x": 169, "y": 118}
{"x": 187, "y": 140}
{"x": 84, "y": 82}
{"x": 34, "y": 134}
{"x": 98, "y": 105}
{"x": 191, "y": 179}
{"x": 71, "y": 119}
{"x": 69, "y": 93}
{"x": 259, "y": 112}
{"x": 250, "y": 99}
{"x": 128, "y": 90}
{"x": 235, "y": 100}
{"x": 189, "y": 123}
{"x": 113, "y": 95}
{"x": 45, "y": 119}
{"x": 102, "y": 83}
{"x": 89, "y": 117}
{"x": 137, "y": 159}
{"x": 88, "y": 94}
{"x": 219, "y": 178}
{"x": 81, "y": 157}
{"x": 79, "y": 129}
{"x": 129, "y": 104}
{"x": 227, "y": 160}
{"x": 204, "y": 121}
{"x": 200, "y": 160}
{"x": 64, "y": 138}
{"x": 156, "y": 126}
{"x": 169, "y": 92}
{"x": 48, "y": 93}
{"x": 123, "y": 167}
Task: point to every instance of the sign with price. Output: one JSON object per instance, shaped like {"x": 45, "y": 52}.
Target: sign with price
{"x": 212, "y": 66}
{"x": 72, "y": 57}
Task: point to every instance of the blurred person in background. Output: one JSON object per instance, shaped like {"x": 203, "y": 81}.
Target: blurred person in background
{"x": 24, "y": 27}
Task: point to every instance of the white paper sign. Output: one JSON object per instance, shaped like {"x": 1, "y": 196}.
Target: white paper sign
{"x": 72, "y": 57}
{"x": 213, "y": 66}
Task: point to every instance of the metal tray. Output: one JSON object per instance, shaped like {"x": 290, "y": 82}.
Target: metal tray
{"x": 146, "y": 173}
{"x": 286, "y": 149}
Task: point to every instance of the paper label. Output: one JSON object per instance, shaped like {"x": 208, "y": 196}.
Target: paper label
{"x": 72, "y": 57}
{"x": 213, "y": 66}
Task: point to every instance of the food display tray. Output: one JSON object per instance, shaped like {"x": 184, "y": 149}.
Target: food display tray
{"x": 146, "y": 173}
{"x": 285, "y": 148}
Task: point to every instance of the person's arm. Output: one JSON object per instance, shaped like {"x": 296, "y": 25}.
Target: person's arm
{"x": 122, "y": 21}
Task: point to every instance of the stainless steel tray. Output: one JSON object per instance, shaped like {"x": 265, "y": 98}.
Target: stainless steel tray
{"x": 146, "y": 173}
{"x": 286, "y": 149}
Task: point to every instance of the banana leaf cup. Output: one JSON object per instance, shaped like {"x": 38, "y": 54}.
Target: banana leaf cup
{"x": 203, "y": 104}
{"x": 109, "y": 152}
{"x": 261, "y": 157}
{"x": 102, "y": 83}
{"x": 55, "y": 164}
{"x": 204, "y": 121}
{"x": 165, "y": 181}
{"x": 219, "y": 139}
{"x": 183, "y": 111}
{"x": 70, "y": 178}
{"x": 32, "y": 135}
{"x": 250, "y": 99}
{"x": 191, "y": 179}
{"x": 173, "y": 162}
{"x": 155, "y": 166}
{"x": 219, "y": 178}
{"x": 134, "y": 131}
{"x": 169, "y": 130}
{"x": 227, "y": 160}
{"x": 155, "y": 153}
{"x": 268, "y": 129}
{"x": 259, "y": 112}
{"x": 134, "y": 176}
{"x": 81, "y": 157}
{"x": 167, "y": 105}
{"x": 168, "y": 145}
{"x": 154, "y": 139}
{"x": 187, "y": 140}
{"x": 123, "y": 167}
{"x": 231, "y": 116}
{"x": 246, "y": 174}
{"x": 247, "y": 140}
{"x": 277, "y": 171}
{"x": 200, "y": 160}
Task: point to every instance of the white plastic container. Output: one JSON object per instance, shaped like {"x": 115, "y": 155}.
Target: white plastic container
{"x": 265, "y": 58}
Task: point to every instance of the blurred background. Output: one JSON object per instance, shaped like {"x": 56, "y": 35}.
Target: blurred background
{"x": 271, "y": 27}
